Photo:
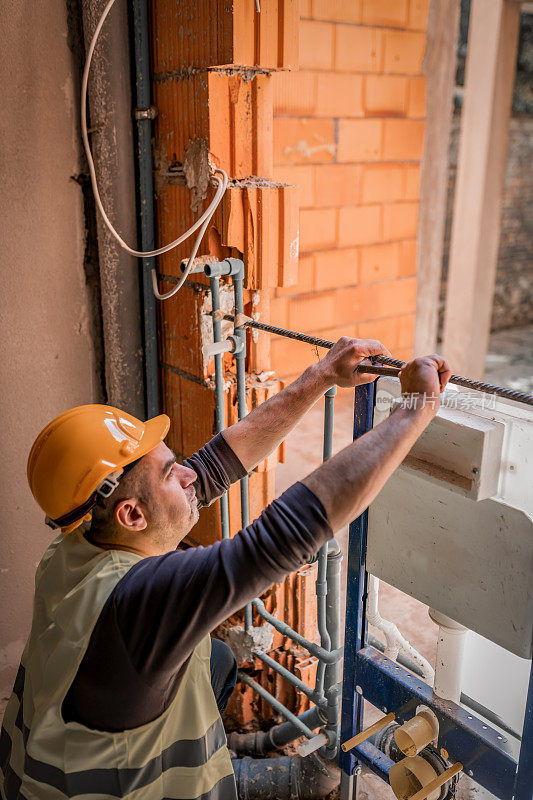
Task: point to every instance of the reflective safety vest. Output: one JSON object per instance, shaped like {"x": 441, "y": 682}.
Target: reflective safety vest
{"x": 181, "y": 754}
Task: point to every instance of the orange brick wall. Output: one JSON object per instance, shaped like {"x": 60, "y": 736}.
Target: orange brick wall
{"x": 349, "y": 132}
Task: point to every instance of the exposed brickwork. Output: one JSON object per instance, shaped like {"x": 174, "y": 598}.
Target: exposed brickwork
{"x": 349, "y": 130}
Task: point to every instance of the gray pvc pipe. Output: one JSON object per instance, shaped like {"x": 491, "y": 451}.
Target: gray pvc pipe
{"x": 259, "y": 743}
{"x": 322, "y": 579}
{"x": 277, "y": 706}
{"x": 290, "y": 678}
{"x": 219, "y": 394}
{"x": 330, "y": 657}
{"x": 240, "y": 334}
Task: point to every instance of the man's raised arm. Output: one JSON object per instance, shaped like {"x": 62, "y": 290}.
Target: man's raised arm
{"x": 348, "y": 482}
{"x": 257, "y": 435}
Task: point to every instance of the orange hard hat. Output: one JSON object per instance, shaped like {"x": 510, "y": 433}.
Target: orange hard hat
{"x": 80, "y": 456}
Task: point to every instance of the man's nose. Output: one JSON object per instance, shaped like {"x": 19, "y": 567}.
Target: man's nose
{"x": 188, "y": 476}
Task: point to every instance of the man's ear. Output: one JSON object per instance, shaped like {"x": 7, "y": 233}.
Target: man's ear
{"x": 129, "y": 514}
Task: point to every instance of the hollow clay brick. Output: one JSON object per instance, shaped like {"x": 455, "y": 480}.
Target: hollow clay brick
{"x": 318, "y": 229}
{"x": 376, "y": 300}
{"x": 408, "y": 254}
{"x": 380, "y": 262}
{"x": 404, "y": 52}
{"x": 335, "y": 268}
{"x": 303, "y": 140}
{"x": 191, "y": 33}
{"x": 358, "y": 49}
{"x": 418, "y": 14}
{"x": 359, "y": 225}
{"x": 295, "y": 93}
{"x": 306, "y": 277}
{"x": 290, "y": 358}
{"x": 385, "y": 95}
{"x": 403, "y": 139}
{"x": 181, "y": 332}
{"x": 263, "y": 224}
{"x": 392, "y": 13}
{"x": 381, "y": 182}
{"x": 411, "y": 181}
{"x": 275, "y": 33}
{"x": 416, "y": 106}
{"x": 316, "y": 45}
{"x": 216, "y": 32}
{"x": 337, "y": 184}
{"x": 170, "y": 385}
{"x": 360, "y": 140}
{"x": 395, "y": 333}
{"x": 337, "y": 10}
{"x": 339, "y": 95}
{"x": 279, "y": 312}
{"x": 300, "y": 176}
{"x": 317, "y": 309}
{"x": 399, "y": 220}
{"x": 233, "y": 115}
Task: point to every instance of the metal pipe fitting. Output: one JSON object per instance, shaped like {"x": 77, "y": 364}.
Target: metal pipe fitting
{"x": 230, "y": 266}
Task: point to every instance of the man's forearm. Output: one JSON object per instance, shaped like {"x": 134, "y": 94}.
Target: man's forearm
{"x": 348, "y": 482}
{"x": 258, "y": 434}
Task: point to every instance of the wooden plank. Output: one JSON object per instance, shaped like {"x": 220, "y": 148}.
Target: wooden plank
{"x": 490, "y": 69}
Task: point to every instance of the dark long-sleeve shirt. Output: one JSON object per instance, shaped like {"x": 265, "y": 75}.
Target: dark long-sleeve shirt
{"x": 164, "y": 605}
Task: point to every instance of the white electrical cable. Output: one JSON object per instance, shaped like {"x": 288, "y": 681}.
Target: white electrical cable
{"x": 201, "y": 223}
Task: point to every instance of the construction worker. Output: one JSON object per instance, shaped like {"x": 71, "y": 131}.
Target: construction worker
{"x": 120, "y": 688}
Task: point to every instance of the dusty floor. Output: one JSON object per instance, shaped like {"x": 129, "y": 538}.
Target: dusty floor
{"x": 510, "y": 364}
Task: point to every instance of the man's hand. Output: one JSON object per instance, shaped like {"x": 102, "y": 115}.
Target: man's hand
{"x": 338, "y": 366}
{"x": 349, "y": 481}
{"x": 423, "y": 379}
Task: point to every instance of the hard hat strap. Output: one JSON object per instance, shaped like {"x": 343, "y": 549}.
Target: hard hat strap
{"x": 104, "y": 490}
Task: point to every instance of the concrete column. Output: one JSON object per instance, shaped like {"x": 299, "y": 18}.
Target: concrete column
{"x": 490, "y": 70}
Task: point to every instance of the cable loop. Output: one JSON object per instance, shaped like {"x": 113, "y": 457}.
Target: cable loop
{"x": 202, "y": 222}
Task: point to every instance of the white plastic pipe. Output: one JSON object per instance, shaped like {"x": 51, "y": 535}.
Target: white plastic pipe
{"x": 395, "y": 642}
{"x": 213, "y": 349}
{"x": 449, "y": 661}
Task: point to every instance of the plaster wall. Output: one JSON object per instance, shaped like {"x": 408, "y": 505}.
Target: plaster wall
{"x": 47, "y": 360}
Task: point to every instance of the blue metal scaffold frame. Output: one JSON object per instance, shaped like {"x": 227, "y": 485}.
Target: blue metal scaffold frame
{"x": 485, "y": 752}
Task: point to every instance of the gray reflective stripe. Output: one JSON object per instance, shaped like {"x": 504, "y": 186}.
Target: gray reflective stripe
{"x": 223, "y": 790}
{"x": 119, "y": 782}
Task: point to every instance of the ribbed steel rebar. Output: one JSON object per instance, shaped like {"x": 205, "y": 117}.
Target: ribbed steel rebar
{"x": 467, "y": 383}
